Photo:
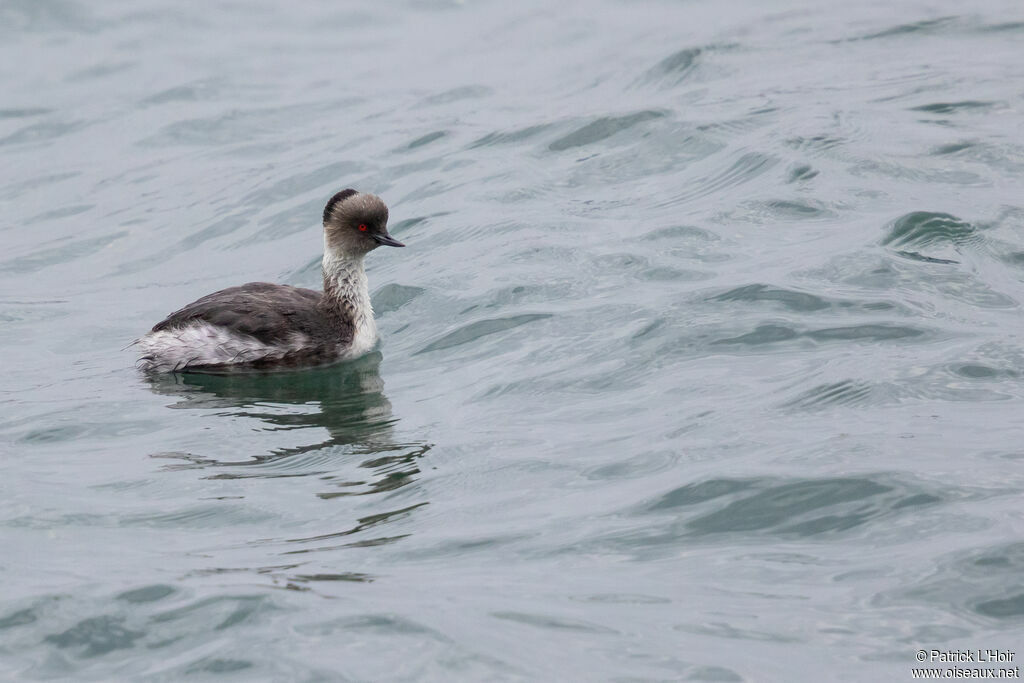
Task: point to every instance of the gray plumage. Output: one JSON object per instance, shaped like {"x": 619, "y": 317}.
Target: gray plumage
{"x": 264, "y": 325}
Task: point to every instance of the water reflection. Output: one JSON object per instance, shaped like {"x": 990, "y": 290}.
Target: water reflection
{"x": 346, "y": 401}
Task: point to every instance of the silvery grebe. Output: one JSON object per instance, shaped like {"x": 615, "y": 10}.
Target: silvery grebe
{"x": 264, "y": 326}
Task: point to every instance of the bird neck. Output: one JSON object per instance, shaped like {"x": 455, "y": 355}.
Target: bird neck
{"x": 346, "y": 292}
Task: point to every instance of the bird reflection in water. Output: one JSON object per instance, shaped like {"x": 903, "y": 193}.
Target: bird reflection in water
{"x": 346, "y": 400}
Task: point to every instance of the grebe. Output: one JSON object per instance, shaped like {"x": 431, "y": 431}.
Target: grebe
{"x": 264, "y": 326}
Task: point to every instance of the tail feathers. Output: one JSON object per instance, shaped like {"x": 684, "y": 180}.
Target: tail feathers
{"x": 204, "y": 345}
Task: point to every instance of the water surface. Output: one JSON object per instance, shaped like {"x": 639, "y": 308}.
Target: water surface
{"x": 703, "y": 361}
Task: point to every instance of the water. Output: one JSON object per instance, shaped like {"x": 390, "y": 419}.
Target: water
{"x": 703, "y": 361}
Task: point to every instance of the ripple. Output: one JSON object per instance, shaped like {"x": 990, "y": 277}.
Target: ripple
{"x": 481, "y": 328}
{"x": 58, "y": 213}
{"x": 16, "y": 189}
{"x": 668, "y": 274}
{"x": 780, "y": 507}
{"x": 217, "y": 665}
{"x": 788, "y": 298}
{"x": 816, "y": 143}
{"x": 714, "y": 674}
{"x": 808, "y": 508}
{"x": 676, "y": 67}
{"x": 953, "y": 107}
{"x": 757, "y": 508}
{"x": 917, "y": 173}
{"x": 200, "y": 517}
{"x": 48, "y": 435}
{"x": 781, "y": 209}
{"x": 925, "y": 26}
{"x": 730, "y": 632}
{"x": 924, "y": 228}
{"x": 69, "y": 251}
{"x": 198, "y": 91}
{"x": 748, "y": 166}
{"x": 223, "y": 612}
{"x": 23, "y": 112}
{"x": 914, "y": 256}
{"x": 41, "y": 132}
{"x": 510, "y": 137}
{"x": 899, "y": 275}
{"x": 799, "y": 173}
{"x": 53, "y": 15}
{"x": 219, "y": 228}
{"x": 355, "y": 577}
{"x": 364, "y": 523}
{"x": 21, "y": 617}
{"x": 699, "y": 492}
{"x": 403, "y": 225}
{"x": 869, "y": 332}
{"x": 230, "y": 127}
{"x": 1003, "y": 608}
{"x": 426, "y": 139}
{"x": 373, "y": 623}
{"x": 999, "y": 27}
{"x": 750, "y": 121}
{"x": 621, "y": 599}
{"x": 984, "y": 582}
{"x": 393, "y": 296}
{"x": 979, "y": 371}
{"x": 97, "y": 636}
{"x": 466, "y": 92}
{"x": 844, "y": 393}
{"x": 100, "y": 71}
{"x": 147, "y": 593}
{"x": 762, "y": 334}
{"x": 952, "y": 148}
{"x": 30, "y": 312}
{"x": 685, "y": 233}
{"x": 549, "y": 622}
{"x": 287, "y": 186}
{"x": 602, "y": 129}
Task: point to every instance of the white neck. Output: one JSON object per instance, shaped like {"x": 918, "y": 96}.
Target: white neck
{"x": 345, "y": 283}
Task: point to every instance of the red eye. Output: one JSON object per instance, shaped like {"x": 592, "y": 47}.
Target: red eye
{"x": 362, "y": 227}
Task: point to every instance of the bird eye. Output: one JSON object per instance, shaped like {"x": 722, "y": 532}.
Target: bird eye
{"x": 362, "y": 227}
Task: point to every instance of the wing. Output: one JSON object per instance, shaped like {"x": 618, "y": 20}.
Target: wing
{"x": 270, "y": 313}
